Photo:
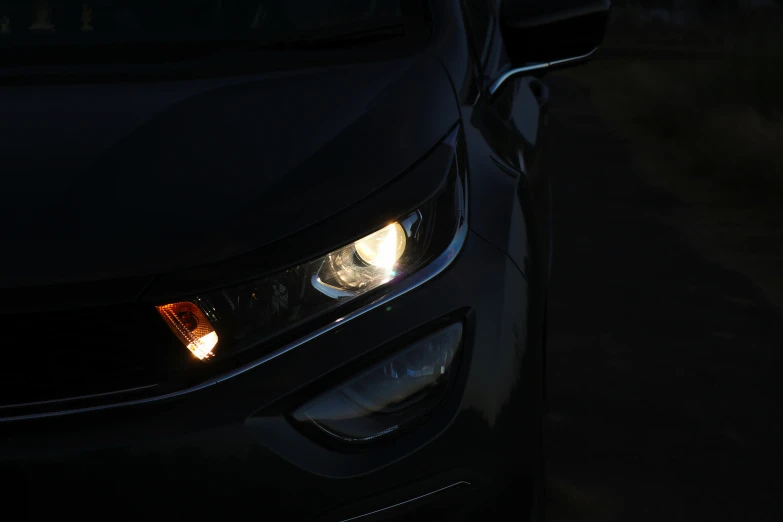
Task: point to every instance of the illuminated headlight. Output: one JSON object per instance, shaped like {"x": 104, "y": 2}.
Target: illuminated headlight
{"x": 362, "y": 266}
{"x": 223, "y": 323}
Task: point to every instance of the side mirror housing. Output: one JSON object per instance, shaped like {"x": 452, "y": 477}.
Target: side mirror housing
{"x": 555, "y": 32}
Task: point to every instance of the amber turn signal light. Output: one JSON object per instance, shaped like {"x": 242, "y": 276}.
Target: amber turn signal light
{"x": 191, "y": 326}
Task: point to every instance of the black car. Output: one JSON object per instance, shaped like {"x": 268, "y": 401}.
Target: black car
{"x": 279, "y": 259}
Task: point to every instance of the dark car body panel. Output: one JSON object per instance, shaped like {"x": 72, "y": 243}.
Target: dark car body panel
{"x": 111, "y": 212}
{"x": 504, "y": 136}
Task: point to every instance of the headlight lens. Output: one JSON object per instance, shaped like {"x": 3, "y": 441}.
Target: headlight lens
{"x": 222, "y": 323}
{"x": 382, "y": 248}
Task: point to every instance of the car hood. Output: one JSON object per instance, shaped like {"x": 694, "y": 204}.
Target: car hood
{"x": 102, "y": 181}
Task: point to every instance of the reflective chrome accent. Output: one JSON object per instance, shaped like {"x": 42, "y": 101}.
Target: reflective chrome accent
{"x": 79, "y": 398}
{"x": 456, "y": 484}
{"x": 329, "y": 290}
{"x": 413, "y": 281}
{"x": 409, "y": 222}
{"x": 567, "y": 61}
{"x": 60, "y": 413}
{"x": 536, "y": 67}
{"x": 350, "y": 439}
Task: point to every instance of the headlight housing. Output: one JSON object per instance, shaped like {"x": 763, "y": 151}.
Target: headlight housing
{"x": 223, "y": 323}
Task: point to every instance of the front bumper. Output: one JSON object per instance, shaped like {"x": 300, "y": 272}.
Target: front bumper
{"x": 227, "y": 451}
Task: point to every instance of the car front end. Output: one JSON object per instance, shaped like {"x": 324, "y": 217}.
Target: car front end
{"x": 260, "y": 293}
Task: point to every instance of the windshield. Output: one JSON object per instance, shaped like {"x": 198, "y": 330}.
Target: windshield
{"x": 56, "y": 23}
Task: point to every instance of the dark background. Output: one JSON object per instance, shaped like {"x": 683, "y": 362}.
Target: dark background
{"x": 665, "y": 343}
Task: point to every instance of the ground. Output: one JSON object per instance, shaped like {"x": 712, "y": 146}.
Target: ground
{"x": 664, "y": 356}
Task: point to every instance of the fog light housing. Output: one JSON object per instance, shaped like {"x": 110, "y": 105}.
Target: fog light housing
{"x": 392, "y": 394}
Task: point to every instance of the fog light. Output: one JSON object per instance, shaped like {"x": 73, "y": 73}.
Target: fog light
{"x": 392, "y": 394}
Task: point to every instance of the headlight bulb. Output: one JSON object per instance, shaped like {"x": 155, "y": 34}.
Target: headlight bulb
{"x": 382, "y": 248}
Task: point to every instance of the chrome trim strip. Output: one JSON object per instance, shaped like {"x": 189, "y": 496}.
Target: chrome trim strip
{"x": 351, "y": 439}
{"x": 566, "y": 61}
{"x": 456, "y": 484}
{"x": 79, "y": 398}
{"x": 536, "y": 67}
{"x": 61, "y": 413}
{"x": 415, "y": 280}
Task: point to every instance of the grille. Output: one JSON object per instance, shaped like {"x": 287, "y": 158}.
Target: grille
{"x": 60, "y": 355}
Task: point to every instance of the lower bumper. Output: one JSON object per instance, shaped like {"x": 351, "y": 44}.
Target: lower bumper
{"x": 228, "y": 451}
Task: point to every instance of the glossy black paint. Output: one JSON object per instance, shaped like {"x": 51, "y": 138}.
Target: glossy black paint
{"x": 262, "y": 171}
{"x": 110, "y": 211}
{"x": 536, "y": 31}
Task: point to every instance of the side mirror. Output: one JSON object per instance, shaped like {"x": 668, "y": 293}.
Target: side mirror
{"x": 542, "y": 35}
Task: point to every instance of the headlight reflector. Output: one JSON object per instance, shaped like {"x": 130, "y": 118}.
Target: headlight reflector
{"x": 362, "y": 266}
{"x": 382, "y": 248}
